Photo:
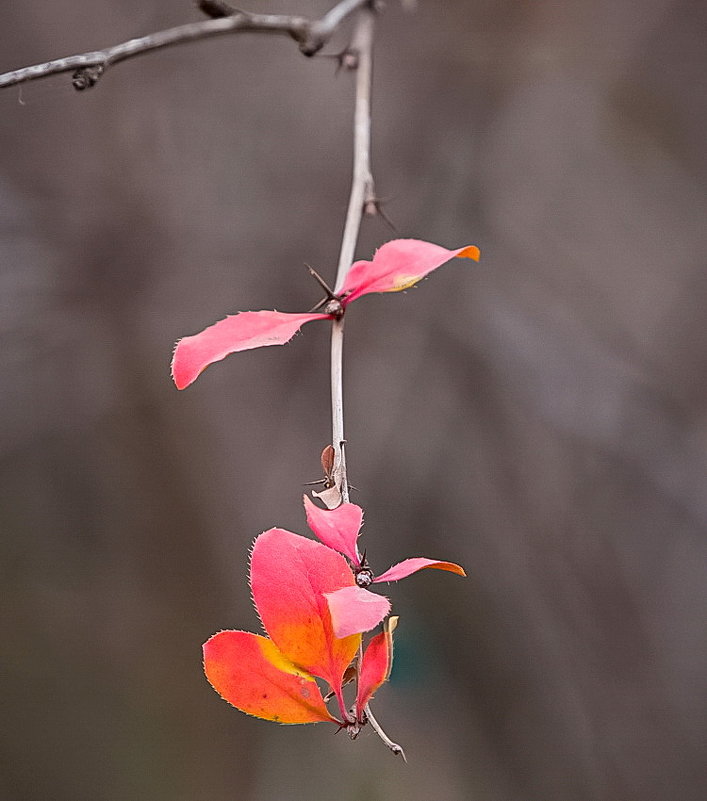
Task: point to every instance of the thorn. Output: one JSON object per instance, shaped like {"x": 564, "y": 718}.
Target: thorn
{"x": 373, "y": 207}
{"x": 322, "y": 283}
{"x": 331, "y": 304}
{"x": 319, "y": 306}
{"x": 347, "y": 59}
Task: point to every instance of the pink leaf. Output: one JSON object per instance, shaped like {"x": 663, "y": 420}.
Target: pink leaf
{"x": 338, "y": 528}
{"x": 289, "y": 577}
{"x": 239, "y": 332}
{"x": 398, "y": 265}
{"x": 409, "y": 566}
{"x": 376, "y": 665}
{"x": 354, "y": 610}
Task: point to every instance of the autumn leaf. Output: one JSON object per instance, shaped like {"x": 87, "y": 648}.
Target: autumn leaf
{"x": 338, "y": 528}
{"x": 375, "y": 666}
{"x": 409, "y": 566}
{"x": 396, "y": 265}
{"x": 250, "y": 672}
{"x": 273, "y": 677}
{"x": 238, "y": 332}
{"x": 290, "y": 576}
{"x": 355, "y": 610}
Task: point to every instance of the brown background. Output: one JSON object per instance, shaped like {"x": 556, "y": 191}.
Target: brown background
{"x": 540, "y": 417}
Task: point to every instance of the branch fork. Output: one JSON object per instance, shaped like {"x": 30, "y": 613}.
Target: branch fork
{"x": 87, "y": 68}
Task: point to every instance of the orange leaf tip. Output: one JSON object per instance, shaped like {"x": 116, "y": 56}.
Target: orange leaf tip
{"x": 250, "y": 672}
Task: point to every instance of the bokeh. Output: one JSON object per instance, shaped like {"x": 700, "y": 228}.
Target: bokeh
{"x": 540, "y": 417}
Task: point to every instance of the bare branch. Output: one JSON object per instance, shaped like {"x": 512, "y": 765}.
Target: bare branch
{"x": 361, "y": 49}
{"x": 362, "y": 184}
{"x": 362, "y": 196}
{"x": 311, "y": 35}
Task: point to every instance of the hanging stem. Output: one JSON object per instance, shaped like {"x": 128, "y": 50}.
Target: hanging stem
{"x": 361, "y": 50}
{"x": 362, "y": 195}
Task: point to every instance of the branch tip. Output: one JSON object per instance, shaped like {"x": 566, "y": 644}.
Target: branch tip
{"x": 394, "y": 747}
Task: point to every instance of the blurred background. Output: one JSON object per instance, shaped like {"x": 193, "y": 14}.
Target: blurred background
{"x": 540, "y": 417}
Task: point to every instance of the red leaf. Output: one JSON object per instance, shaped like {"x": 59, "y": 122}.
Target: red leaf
{"x": 289, "y": 576}
{"x": 248, "y": 671}
{"x": 354, "y": 610}
{"x": 376, "y": 665}
{"x": 338, "y": 528}
{"x": 409, "y": 566}
{"x": 239, "y": 332}
{"x": 398, "y": 265}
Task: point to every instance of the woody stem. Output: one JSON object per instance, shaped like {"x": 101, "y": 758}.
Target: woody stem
{"x": 310, "y": 35}
{"x": 362, "y": 191}
{"x": 361, "y": 50}
{"x": 394, "y": 747}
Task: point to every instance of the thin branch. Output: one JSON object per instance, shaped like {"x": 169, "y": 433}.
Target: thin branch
{"x": 362, "y": 49}
{"x": 362, "y": 193}
{"x": 394, "y": 747}
{"x": 311, "y": 35}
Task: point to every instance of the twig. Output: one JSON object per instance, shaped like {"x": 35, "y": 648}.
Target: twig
{"x": 361, "y": 49}
{"x": 311, "y": 35}
{"x": 361, "y": 186}
{"x": 362, "y": 193}
{"x": 394, "y": 747}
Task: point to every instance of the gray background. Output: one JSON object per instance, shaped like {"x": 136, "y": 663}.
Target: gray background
{"x": 540, "y": 417}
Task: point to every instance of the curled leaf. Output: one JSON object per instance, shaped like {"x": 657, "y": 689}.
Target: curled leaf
{"x": 236, "y": 333}
{"x": 409, "y": 566}
{"x": 331, "y": 497}
{"x": 398, "y": 265}
{"x": 338, "y": 528}
{"x": 249, "y": 671}
{"x": 376, "y": 665}
{"x": 354, "y": 610}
